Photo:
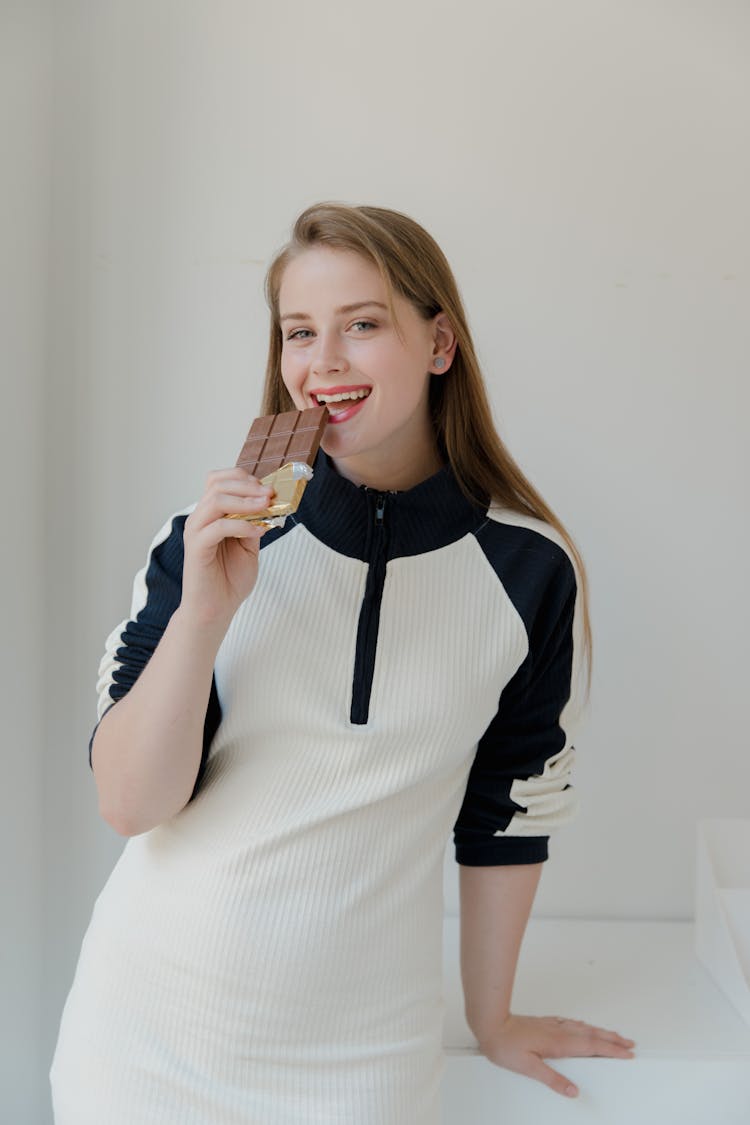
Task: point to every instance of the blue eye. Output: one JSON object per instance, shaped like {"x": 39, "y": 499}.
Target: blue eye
{"x": 364, "y": 325}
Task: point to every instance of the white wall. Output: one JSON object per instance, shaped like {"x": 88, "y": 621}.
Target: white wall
{"x": 24, "y": 238}
{"x": 584, "y": 166}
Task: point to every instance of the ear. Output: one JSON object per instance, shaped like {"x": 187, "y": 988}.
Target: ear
{"x": 444, "y": 344}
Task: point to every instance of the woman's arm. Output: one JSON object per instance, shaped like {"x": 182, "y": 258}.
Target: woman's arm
{"x": 495, "y": 907}
{"x": 147, "y": 748}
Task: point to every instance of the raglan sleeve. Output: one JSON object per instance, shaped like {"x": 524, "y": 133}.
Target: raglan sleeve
{"x": 518, "y": 790}
{"x": 157, "y": 591}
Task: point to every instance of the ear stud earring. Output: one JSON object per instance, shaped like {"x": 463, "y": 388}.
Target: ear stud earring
{"x": 439, "y": 362}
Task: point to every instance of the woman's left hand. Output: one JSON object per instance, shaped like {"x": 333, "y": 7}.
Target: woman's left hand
{"x": 521, "y": 1044}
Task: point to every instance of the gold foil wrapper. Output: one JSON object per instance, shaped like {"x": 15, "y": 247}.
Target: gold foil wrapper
{"x": 288, "y": 483}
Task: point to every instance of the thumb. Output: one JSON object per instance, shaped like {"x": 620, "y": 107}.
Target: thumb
{"x": 556, "y": 1081}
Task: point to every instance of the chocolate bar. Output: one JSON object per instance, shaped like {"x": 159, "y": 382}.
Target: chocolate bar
{"x": 275, "y": 439}
{"x": 279, "y": 450}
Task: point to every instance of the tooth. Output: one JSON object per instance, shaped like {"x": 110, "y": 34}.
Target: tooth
{"x": 343, "y": 396}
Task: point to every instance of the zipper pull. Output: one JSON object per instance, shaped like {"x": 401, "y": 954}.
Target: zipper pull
{"x": 380, "y": 509}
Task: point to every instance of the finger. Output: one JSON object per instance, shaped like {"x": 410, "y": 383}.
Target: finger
{"x": 579, "y": 1042}
{"x": 613, "y": 1037}
{"x": 225, "y": 503}
{"x": 593, "y": 1027}
{"x": 604, "y": 1049}
{"x": 222, "y": 529}
{"x": 552, "y": 1078}
{"x": 236, "y": 472}
{"x": 250, "y": 542}
{"x": 601, "y": 1033}
{"x": 248, "y": 487}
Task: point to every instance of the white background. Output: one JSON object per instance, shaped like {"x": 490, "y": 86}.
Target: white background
{"x": 586, "y": 168}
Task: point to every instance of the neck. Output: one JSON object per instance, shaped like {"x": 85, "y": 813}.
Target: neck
{"x": 398, "y": 476}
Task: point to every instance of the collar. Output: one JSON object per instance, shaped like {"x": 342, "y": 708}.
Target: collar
{"x": 425, "y": 518}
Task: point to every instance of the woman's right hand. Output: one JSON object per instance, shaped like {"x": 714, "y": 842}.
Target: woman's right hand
{"x": 221, "y": 555}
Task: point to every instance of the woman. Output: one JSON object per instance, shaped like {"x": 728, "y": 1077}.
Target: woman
{"x": 292, "y": 721}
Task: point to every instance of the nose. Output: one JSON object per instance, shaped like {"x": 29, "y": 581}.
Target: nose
{"x": 327, "y": 356}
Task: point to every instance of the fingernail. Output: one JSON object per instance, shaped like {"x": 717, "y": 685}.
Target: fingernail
{"x": 571, "y": 1091}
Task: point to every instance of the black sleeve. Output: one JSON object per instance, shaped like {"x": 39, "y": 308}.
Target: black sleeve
{"x": 518, "y": 788}
{"x": 157, "y": 590}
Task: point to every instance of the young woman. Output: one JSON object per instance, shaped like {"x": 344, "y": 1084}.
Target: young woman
{"x": 292, "y": 722}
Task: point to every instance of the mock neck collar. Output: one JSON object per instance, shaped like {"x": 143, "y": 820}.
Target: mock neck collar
{"x": 428, "y": 516}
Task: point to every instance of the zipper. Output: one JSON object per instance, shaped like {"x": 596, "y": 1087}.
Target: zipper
{"x": 369, "y": 615}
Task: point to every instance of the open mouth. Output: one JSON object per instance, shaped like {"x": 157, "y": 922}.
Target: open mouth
{"x": 343, "y": 405}
{"x": 332, "y": 400}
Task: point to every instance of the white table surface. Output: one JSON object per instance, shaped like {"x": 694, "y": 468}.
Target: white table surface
{"x": 642, "y": 979}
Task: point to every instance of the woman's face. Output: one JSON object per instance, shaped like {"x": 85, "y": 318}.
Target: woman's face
{"x": 339, "y": 339}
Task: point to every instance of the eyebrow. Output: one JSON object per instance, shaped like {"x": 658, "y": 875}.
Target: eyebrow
{"x": 343, "y": 309}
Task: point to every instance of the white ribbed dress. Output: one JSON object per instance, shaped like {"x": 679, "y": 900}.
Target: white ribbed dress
{"x": 272, "y": 954}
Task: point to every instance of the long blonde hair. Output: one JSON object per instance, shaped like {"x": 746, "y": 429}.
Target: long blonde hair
{"x": 412, "y": 264}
